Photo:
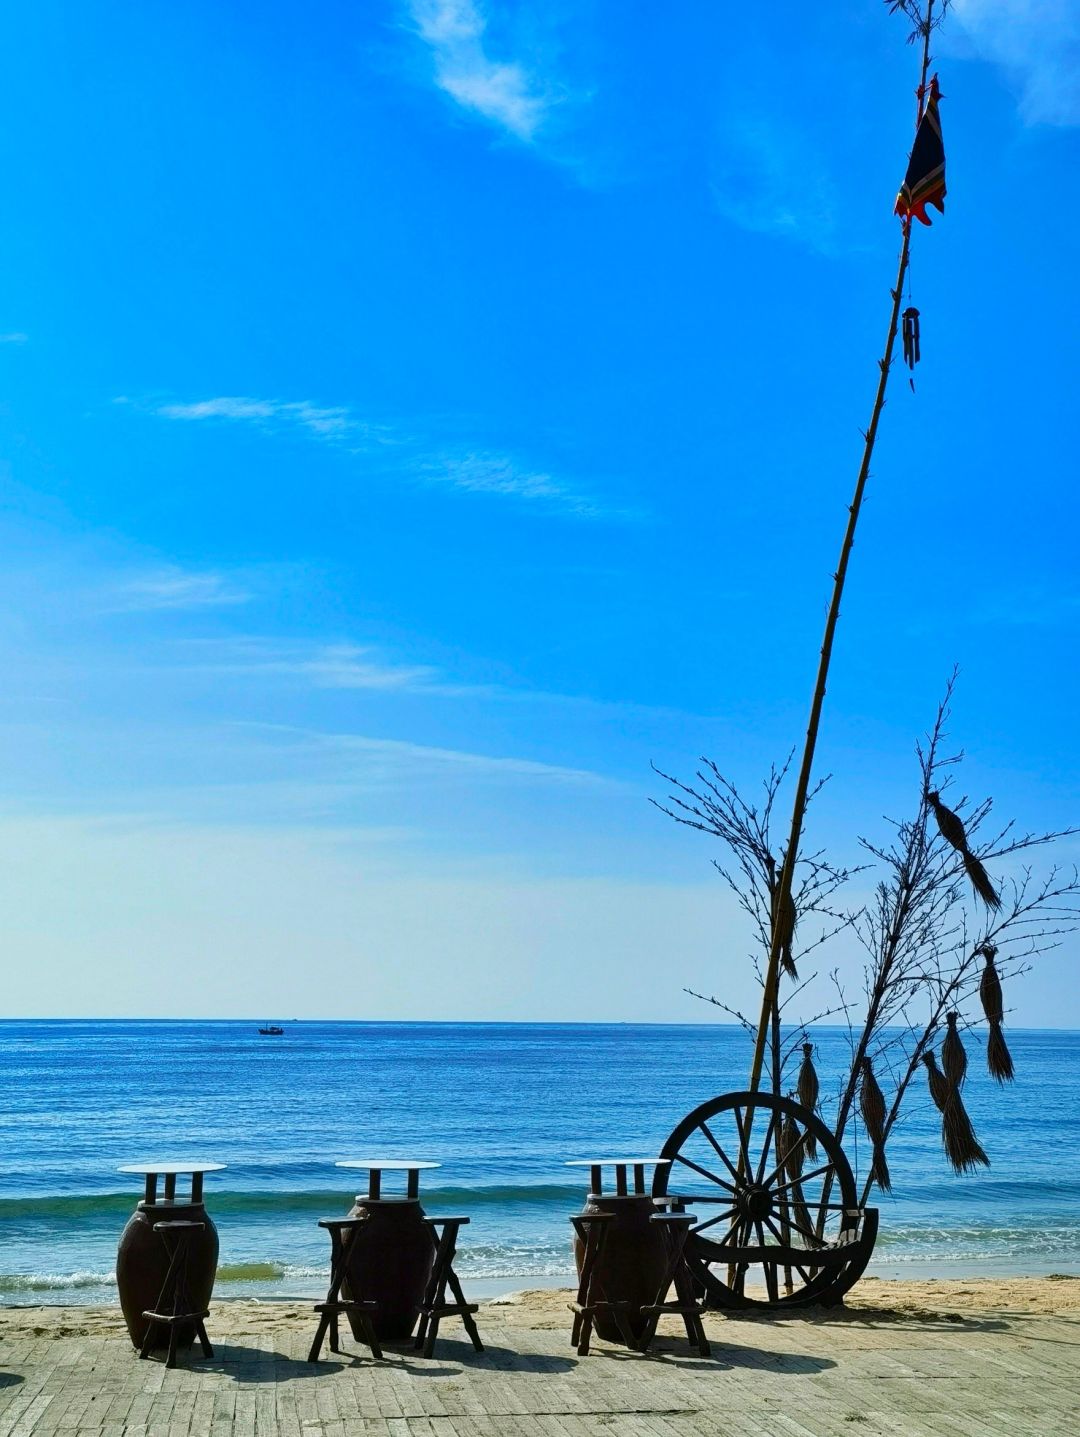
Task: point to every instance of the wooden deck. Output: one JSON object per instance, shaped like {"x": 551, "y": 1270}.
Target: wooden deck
{"x": 864, "y": 1373}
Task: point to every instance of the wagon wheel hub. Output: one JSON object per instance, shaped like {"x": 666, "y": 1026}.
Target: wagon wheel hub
{"x": 755, "y": 1203}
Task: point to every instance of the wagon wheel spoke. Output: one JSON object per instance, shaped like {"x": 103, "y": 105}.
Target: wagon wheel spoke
{"x": 744, "y": 1140}
{"x": 769, "y": 1268}
{"x": 705, "y": 1173}
{"x": 704, "y": 1226}
{"x": 719, "y": 1150}
{"x": 800, "y": 1270}
{"x": 806, "y": 1232}
{"x": 804, "y": 1177}
{"x": 766, "y": 1145}
{"x": 791, "y": 1153}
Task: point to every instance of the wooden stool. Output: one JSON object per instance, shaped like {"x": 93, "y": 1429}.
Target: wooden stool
{"x": 592, "y": 1229}
{"x": 330, "y": 1310}
{"x": 435, "y": 1306}
{"x": 676, "y": 1226}
{"x": 174, "y": 1302}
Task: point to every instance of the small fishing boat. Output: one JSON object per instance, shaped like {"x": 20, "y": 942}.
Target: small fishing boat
{"x": 271, "y": 1030}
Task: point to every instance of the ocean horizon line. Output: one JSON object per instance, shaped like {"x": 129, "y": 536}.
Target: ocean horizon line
{"x": 567, "y": 1023}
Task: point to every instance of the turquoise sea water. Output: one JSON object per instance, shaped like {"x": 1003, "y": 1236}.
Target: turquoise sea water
{"x": 501, "y": 1106}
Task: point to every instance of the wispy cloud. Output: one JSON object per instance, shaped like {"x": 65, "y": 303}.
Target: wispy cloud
{"x": 391, "y": 756}
{"x": 502, "y": 91}
{"x": 330, "y": 666}
{"x": 171, "y": 587}
{"x": 498, "y": 474}
{"x": 326, "y": 423}
{"x": 412, "y": 457}
{"x": 14, "y": 337}
{"x": 1037, "y": 42}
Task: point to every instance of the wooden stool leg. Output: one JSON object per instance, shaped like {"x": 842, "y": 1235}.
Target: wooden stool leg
{"x": 444, "y": 1251}
{"x": 328, "y": 1317}
{"x": 593, "y": 1236}
{"x": 466, "y": 1316}
{"x": 148, "y": 1339}
{"x": 367, "y": 1327}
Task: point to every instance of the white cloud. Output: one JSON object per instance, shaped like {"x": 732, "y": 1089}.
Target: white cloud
{"x": 326, "y": 423}
{"x": 393, "y": 756}
{"x": 504, "y": 92}
{"x": 1037, "y": 43}
{"x": 469, "y": 472}
{"x": 498, "y": 474}
{"x": 329, "y": 666}
{"x": 171, "y": 587}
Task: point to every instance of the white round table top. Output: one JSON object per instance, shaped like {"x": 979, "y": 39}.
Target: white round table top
{"x": 616, "y": 1162}
{"x": 172, "y": 1166}
{"x": 385, "y": 1165}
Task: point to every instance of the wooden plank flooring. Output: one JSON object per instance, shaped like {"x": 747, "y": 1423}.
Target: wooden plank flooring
{"x": 849, "y": 1376}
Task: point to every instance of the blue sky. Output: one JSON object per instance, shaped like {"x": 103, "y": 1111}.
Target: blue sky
{"x": 419, "y": 416}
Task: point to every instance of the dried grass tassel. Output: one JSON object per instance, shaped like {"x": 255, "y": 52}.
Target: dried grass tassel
{"x": 808, "y": 1089}
{"x": 940, "y": 1087}
{"x": 957, "y": 1135}
{"x": 962, "y": 1148}
{"x": 788, "y": 919}
{"x": 953, "y": 1057}
{"x": 990, "y": 995}
{"x": 980, "y": 881}
{"x": 998, "y": 1058}
{"x": 792, "y": 1150}
{"x": 872, "y": 1107}
{"x": 951, "y": 828}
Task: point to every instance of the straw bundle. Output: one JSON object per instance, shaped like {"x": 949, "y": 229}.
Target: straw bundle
{"x": 953, "y": 1057}
{"x": 791, "y": 1150}
{"x": 808, "y": 1089}
{"x": 872, "y": 1107}
{"x": 998, "y": 1058}
{"x": 962, "y": 1148}
{"x": 786, "y": 922}
{"x": 940, "y": 1087}
{"x": 951, "y": 828}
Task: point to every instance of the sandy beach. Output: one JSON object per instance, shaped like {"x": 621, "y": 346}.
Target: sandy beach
{"x": 980, "y": 1356}
{"x": 544, "y": 1309}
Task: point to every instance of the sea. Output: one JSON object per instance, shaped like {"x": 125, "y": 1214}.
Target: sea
{"x": 502, "y": 1107}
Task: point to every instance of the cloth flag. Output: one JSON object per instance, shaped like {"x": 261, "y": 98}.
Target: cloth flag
{"x": 924, "y": 183}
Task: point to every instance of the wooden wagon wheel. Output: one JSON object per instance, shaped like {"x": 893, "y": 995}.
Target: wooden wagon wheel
{"x": 775, "y": 1228}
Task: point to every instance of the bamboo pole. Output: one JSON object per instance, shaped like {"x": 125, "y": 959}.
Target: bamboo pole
{"x": 802, "y": 789}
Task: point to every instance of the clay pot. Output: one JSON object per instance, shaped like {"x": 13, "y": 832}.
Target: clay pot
{"x": 142, "y": 1265}
{"x": 632, "y": 1265}
{"x": 389, "y": 1261}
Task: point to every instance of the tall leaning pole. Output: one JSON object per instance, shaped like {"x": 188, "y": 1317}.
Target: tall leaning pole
{"x": 925, "y": 26}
